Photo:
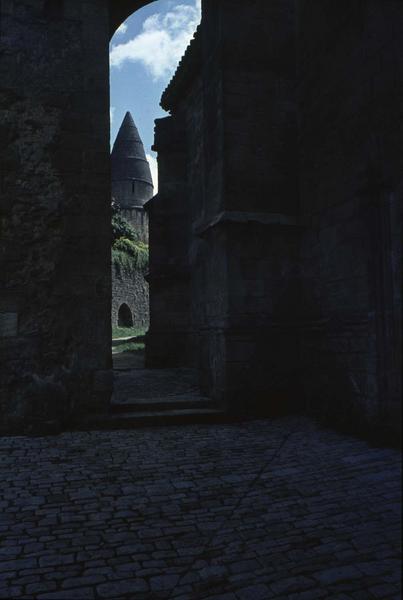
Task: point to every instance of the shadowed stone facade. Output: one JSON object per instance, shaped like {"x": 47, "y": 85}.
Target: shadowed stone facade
{"x": 132, "y": 187}
{"x": 279, "y": 203}
{"x": 282, "y": 162}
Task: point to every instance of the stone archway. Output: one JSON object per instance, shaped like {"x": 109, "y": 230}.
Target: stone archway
{"x": 120, "y": 10}
{"x": 125, "y": 316}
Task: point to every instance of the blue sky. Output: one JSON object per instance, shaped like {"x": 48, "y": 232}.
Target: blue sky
{"x": 144, "y": 54}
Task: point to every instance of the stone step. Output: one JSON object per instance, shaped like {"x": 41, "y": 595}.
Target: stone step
{"x": 160, "y": 404}
{"x": 150, "y": 418}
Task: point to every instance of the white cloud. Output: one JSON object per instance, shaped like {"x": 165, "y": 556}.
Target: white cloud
{"x": 121, "y": 30}
{"x": 154, "y": 171}
{"x": 162, "y": 42}
{"x": 111, "y": 113}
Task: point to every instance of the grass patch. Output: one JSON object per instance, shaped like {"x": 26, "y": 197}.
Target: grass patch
{"x": 134, "y": 347}
{"x": 123, "y": 332}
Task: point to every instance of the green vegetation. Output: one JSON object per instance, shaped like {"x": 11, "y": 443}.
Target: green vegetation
{"x": 129, "y": 253}
{"x": 122, "y": 228}
{"x": 129, "y": 256}
{"x": 125, "y": 332}
{"x": 135, "y": 347}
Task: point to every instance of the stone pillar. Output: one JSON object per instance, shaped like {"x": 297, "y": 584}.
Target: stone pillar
{"x": 249, "y": 223}
{"x": 55, "y": 277}
{"x": 168, "y": 341}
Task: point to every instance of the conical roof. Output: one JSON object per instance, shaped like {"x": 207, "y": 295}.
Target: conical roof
{"x": 128, "y": 159}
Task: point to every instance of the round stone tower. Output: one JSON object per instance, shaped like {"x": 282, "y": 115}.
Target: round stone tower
{"x": 132, "y": 185}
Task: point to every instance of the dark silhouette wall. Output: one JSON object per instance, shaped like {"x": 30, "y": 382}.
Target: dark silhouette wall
{"x": 285, "y": 142}
{"x": 55, "y": 190}
{"x": 55, "y": 208}
{"x": 282, "y": 164}
{"x": 350, "y": 173}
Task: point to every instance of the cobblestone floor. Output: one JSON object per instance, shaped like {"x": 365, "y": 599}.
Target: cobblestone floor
{"x": 253, "y": 511}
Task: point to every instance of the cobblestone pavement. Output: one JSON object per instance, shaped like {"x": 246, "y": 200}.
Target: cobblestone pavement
{"x": 251, "y": 511}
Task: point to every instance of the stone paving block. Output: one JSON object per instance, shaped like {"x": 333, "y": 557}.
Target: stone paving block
{"x": 312, "y": 594}
{"x": 263, "y": 518}
{"x": 244, "y": 565}
{"x": 124, "y": 586}
{"x": 254, "y": 592}
{"x": 382, "y": 591}
{"x": 227, "y": 596}
{"x": 192, "y": 577}
{"x": 338, "y": 574}
{"x": 7, "y": 552}
{"x": 18, "y": 564}
{"x": 12, "y": 591}
{"x": 79, "y": 594}
{"x": 56, "y": 560}
{"x": 88, "y": 580}
{"x": 291, "y": 584}
{"x": 164, "y": 582}
{"x": 43, "y": 586}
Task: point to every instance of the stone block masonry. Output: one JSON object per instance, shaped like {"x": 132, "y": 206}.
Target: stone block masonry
{"x": 130, "y": 288}
{"x": 270, "y": 510}
{"x": 292, "y": 189}
{"x": 55, "y": 210}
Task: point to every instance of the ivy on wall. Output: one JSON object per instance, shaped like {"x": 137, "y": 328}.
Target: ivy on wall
{"x": 129, "y": 253}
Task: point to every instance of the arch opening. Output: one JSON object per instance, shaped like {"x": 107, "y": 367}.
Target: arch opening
{"x": 149, "y": 44}
{"x": 125, "y": 316}
{"x": 120, "y": 10}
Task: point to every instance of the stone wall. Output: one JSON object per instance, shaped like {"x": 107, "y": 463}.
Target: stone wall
{"x": 130, "y": 288}
{"x": 169, "y": 340}
{"x": 55, "y": 281}
{"x": 234, "y": 97}
{"x": 260, "y": 203}
{"x": 55, "y": 237}
{"x": 294, "y": 190}
{"x": 350, "y": 63}
{"x": 137, "y": 217}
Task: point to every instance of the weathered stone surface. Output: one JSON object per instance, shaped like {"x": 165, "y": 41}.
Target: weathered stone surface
{"x": 130, "y": 288}
{"x": 293, "y": 183}
{"x": 351, "y": 185}
{"x": 54, "y": 207}
{"x": 8, "y": 324}
{"x": 259, "y": 509}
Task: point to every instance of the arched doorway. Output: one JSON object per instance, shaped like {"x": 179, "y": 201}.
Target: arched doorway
{"x": 133, "y": 110}
{"x": 132, "y": 144}
{"x": 125, "y": 317}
